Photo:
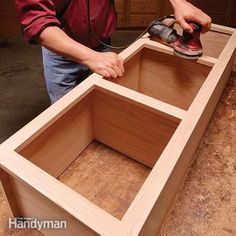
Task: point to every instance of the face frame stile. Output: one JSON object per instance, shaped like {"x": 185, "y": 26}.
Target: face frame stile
{"x": 26, "y": 185}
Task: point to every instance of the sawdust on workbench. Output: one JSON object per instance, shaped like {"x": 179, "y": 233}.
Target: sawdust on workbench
{"x": 206, "y": 203}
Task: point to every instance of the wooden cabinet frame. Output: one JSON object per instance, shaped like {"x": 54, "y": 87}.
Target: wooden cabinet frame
{"x": 31, "y": 186}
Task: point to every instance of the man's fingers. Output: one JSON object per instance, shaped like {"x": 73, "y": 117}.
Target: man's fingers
{"x": 120, "y": 67}
{"x": 118, "y": 71}
{"x": 107, "y": 64}
{"x": 121, "y": 64}
{"x": 104, "y": 73}
{"x": 207, "y": 25}
{"x": 203, "y": 20}
{"x": 116, "y": 64}
{"x": 112, "y": 72}
{"x": 184, "y": 25}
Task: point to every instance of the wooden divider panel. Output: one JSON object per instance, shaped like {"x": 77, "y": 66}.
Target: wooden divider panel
{"x": 130, "y": 129}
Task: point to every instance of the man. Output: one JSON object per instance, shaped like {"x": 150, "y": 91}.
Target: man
{"x": 70, "y": 50}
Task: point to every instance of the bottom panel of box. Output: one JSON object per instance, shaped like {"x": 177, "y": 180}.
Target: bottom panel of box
{"x": 106, "y": 177}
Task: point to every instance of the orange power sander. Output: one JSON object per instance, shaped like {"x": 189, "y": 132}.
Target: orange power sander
{"x": 187, "y": 46}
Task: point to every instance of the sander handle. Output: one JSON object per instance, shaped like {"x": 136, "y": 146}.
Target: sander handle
{"x": 195, "y": 26}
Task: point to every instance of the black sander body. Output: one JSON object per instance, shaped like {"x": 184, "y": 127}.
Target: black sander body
{"x": 187, "y": 45}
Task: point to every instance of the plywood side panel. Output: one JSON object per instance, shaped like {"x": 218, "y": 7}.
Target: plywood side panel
{"x": 64, "y": 140}
{"x": 177, "y": 175}
{"x": 130, "y": 78}
{"x": 33, "y": 204}
{"x": 6, "y": 189}
{"x": 170, "y": 79}
{"x": 130, "y": 129}
{"x": 42, "y": 184}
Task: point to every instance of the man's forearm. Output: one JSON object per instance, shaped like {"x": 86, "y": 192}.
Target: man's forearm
{"x": 174, "y": 2}
{"x": 107, "y": 64}
{"x": 56, "y": 40}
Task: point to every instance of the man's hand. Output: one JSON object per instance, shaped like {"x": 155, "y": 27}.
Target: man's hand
{"x": 107, "y": 64}
{"x": 185, "y": 11}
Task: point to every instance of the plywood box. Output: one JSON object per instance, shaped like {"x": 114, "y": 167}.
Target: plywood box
{"x": 109, "y": 156}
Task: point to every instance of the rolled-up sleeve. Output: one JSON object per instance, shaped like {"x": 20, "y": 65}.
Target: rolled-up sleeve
{"x": 35, "y": 16}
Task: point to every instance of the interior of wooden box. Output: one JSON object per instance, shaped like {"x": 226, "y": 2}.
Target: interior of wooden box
{"x": 213, "y": 43}
{"x": 103, "y": 147}
{"x": 168, "y": 78}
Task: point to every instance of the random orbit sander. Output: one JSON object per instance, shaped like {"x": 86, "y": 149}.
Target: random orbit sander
{"x": 187, "y": 46}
